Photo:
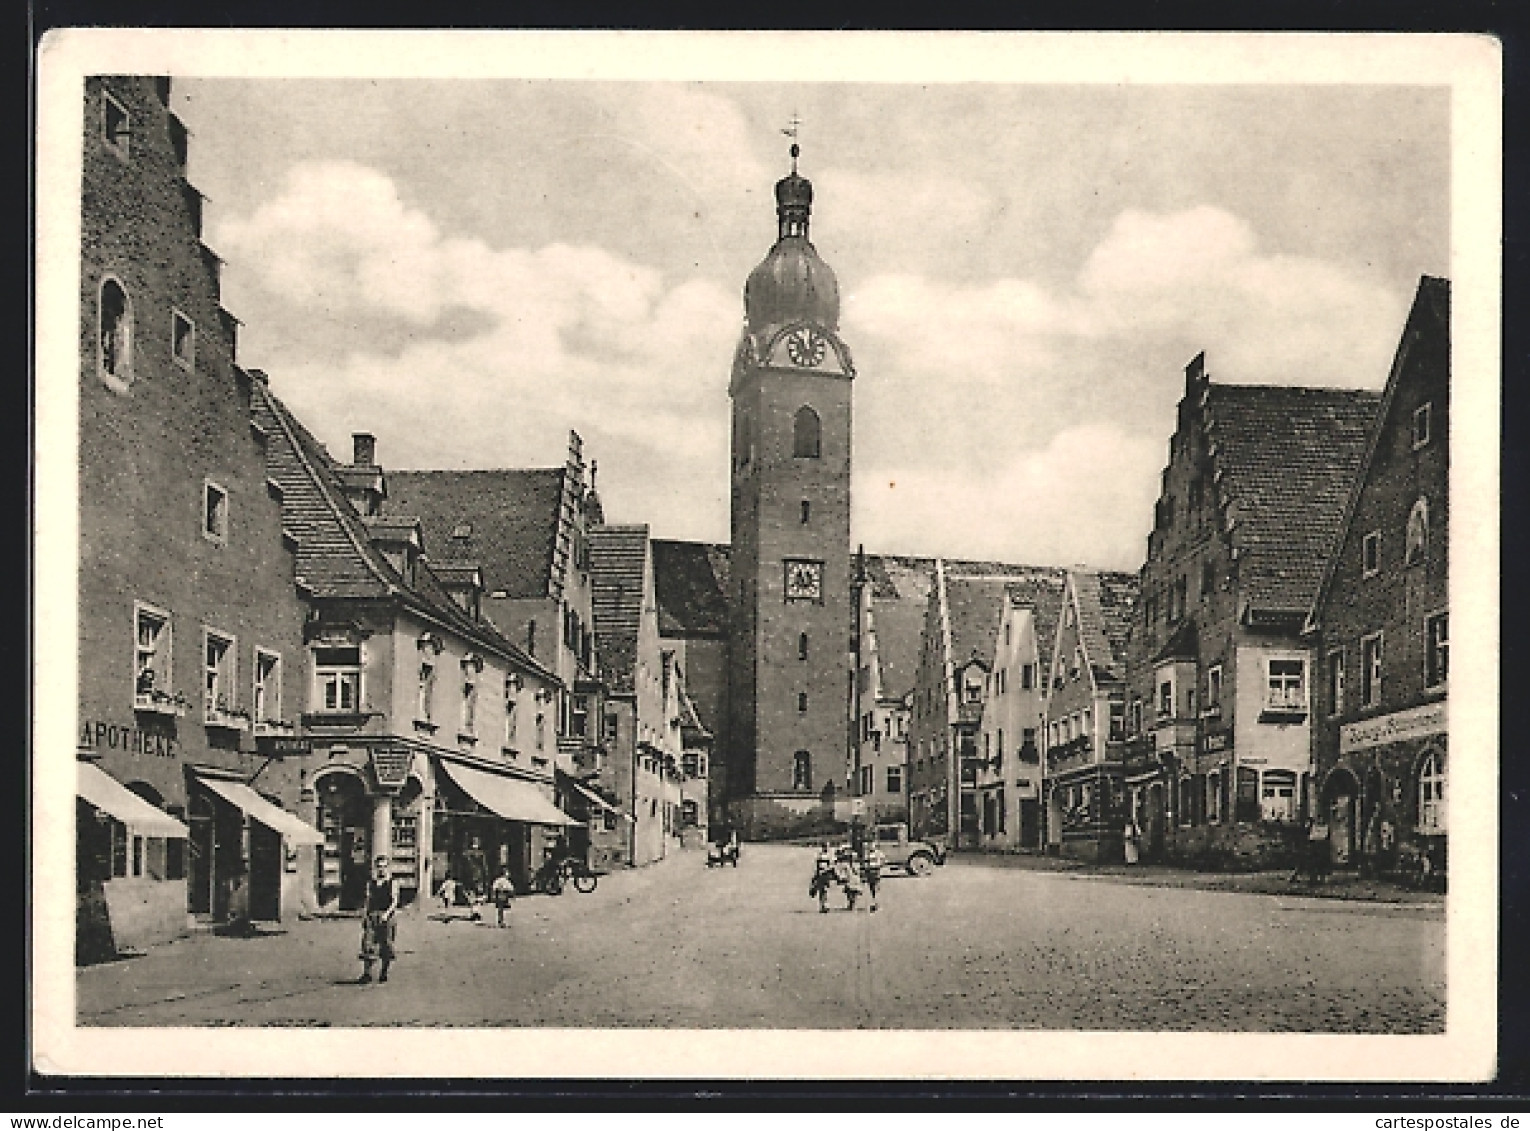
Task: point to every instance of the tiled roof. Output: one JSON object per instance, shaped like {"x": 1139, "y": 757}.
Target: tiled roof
{"x": 1284, "y": 460}
{"x": 691, "y": 728}
{"x": 336, "y": 557}
{"x": 975, "y": 606}
{"x": 506, "y": 520}
{"x": 1105, "y": 602}
{"x": 691, "y": 581}
{"x": 618, "y": 555}
{"x": 1043, "y": 595}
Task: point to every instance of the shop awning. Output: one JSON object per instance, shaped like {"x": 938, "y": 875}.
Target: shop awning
{"x": 110, "y": 796}
{"x": 597, "y": 799}
{"x": 274, "y": 817}
{"x": 512, "y": 799}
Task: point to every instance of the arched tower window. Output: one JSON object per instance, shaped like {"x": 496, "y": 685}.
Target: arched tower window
{"x": 115, "y": 335}
{"x": 805, "y": 431}
{"x": 1417, "y": 542}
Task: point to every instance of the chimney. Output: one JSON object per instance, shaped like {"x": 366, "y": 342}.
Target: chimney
{"x": 363, "y": 449}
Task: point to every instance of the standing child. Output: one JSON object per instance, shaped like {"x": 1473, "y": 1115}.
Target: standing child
{"x": 502, "y": 892}
{"x": 378, "y": 925}
{"x": 448, "y": 893}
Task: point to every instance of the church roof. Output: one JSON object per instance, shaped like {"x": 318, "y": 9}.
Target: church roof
{"x": 618, "y": 561}
{"x": 504, "y": 520}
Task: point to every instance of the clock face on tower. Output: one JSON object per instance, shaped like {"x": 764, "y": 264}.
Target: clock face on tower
{"x": 804, "y": 581}
{"x": 806, "y": 347}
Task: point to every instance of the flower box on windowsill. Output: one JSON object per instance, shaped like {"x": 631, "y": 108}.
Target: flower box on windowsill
{"x": 467, "y": 740}
{"x": 426, "y": 726}
{"x": 160, "y": 703}
{"x": 227, "y": 720}
{"x": 275, "y": 728}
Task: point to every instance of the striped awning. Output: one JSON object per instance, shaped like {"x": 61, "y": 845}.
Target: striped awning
{"x": 107, "y": 794}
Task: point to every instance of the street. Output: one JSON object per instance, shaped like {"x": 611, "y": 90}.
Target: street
{"x": 680, "y": 945}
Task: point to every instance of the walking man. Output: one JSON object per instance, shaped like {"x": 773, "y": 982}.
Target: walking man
{"x": 876, "y": 860}
{"x": 849, "y": 874}
{"x": 502, "y": 891}
{"x": 377, "y": 924}
{"x": 823, "y": 875}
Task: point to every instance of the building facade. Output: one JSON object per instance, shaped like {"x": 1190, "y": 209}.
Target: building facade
{"x": 191, "y": 645}
{"x": 790, "y": 574}
{"x": 1380, "y": 624}
{"x": 1086, "y": 806}
{"x": 1219, "y": 674}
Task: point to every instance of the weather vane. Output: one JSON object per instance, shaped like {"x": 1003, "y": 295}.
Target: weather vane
{"x": 791, "y": 132}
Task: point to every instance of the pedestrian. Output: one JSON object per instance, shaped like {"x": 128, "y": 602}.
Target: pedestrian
{"x": 1131, "y": 841}
{"x": 876, "y": 860}
{"x": 847, "y": 870}
{"x": 502, "y": 890}
{"x": 1321, "y": 854}
{"x": 823, "y": 875}
{"x": 475, "y": 898}
{"x": 448, "y": 892}
{"x": 378, "y": 926}
{"x": 1303, "y": 852}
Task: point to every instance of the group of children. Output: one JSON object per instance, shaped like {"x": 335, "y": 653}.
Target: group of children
{"x": 501, "y": 892}
{"x": 849, "y": 870}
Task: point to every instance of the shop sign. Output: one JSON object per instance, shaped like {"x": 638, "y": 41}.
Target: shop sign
{"x": 101, "y": 737}
{"x": 281, "y": 746}
{"x": 390, "y": 765}
{"x": 1416, "y": 722}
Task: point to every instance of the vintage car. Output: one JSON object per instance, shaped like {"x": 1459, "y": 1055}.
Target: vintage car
{"x": 919, "y": 856}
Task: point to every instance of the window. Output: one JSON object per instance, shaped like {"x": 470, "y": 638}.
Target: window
{"x": 972, "y": 686}
{"x": 1136, "y": 716}
{"x": 1150, "y": 612}
{"x": 802, "y": 702}
{"x": 1436, "y": 649}
{"x": 1117, "y": 721}
{"x": 1166, "y": 699}
{"x": 1416, "y": 540}
{"x": 1287, "y": 690}
{"x": 151, "y": 656}
{"x": 1208, "y": 579}
{"x": 425, "y": 702}
{"x": 1431, "y": 793}
{"x": 183, "y": 340}
{"x": 267, "y": 703}
{"x": 579, "y": 719}
{"x": 218, "y": 673}
{"x": 612, "y": 728}
{"x": 1370, "y": 554}
{"x": 802, "y": 770}
{"x": 337, "y": 677}
{"x": 1336, "y": 682}
{"x": 1186, "y": 802}
{"x": 1214, "y": 689}
{"x": 690, "y": 763}
{"x": 894, "y": 779}
{"x": 802, "y": 646}
{"x": 1178, "y": 599}
{"x": 805, "y": 434}
{"x": 1421, "y": 425}
{"x": 116, "y": 126}
{"x": 1370, "y": 671}
{"x": 114, "y": 336}
{"x": 1214, "y": 798}
{"x": 807, "y": 510}
{"x": 510, "y": 713}
{"x": 1277, "y": 796}
{"x": 1027, "y": 676}
{"x": 214, "y": 512}
{"x": 541, "y": 731}
{"x": 531, "y": 638}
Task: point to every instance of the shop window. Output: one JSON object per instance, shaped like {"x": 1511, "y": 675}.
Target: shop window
{"x": 114, "y": 336}
{"x": 1416, "y": 538}
{"x": 1335, "y": 686}
{"x": 805, "y": 434}
{"x": 894, "y": 779}
{"x": 337, "y": 678}
{"x": 218, "y": 675}
{"x": 1421, "y": 424}
{"x": 1431, "y": 794}
{"x": 1370, "y": 670}
{"x": 183, "y": 340}
{"x": 214, "y": 512}
{"x": 1277, "y": 796}
{"x": 267, "y": 701}
{"x": 1287, "y": 686}
{"x": 120, "y": 849}
{"x": 1436, "y": 650}
{"x": 802, "y": 770}
{"x": 151, "y": 657}
{"x": 116, "y": 126}
{"x": 1214, "y": 798}
{"x": 1370, "y": 554}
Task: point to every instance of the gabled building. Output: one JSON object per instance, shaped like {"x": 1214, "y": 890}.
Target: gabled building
{"x": 191, "y": 633}
{"x": 1219, "y": 673}
{"x": 642, "y": 724}
{"x": 432, "y": 734}
{"x": 1084, "y": 772}
{"x": 1380, "y": 623}
{"x": 1009, "y": 771}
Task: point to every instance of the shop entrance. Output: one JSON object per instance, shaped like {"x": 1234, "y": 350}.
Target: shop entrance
{"x": 265, "y": 873}
{"x": 345, "y": 818}
{"x": 1341, "y": 794}
{"x": 217, "y": 880}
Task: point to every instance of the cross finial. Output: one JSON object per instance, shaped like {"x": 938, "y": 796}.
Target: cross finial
{"x": 791, "y": 132}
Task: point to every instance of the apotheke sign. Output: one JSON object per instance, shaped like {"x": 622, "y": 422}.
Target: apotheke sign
{"x": 1416, "y": 722}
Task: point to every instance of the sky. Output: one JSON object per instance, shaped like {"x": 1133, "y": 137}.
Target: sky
{"x": 470, "y": 268}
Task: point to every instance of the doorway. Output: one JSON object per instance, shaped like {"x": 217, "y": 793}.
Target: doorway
{"x": 265, "y": 873}
{"x": 1153, "y": 823}
{"x": 1341, "y": 795}
{"x": 344, "y": 860}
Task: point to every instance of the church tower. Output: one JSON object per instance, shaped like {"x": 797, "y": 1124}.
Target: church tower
{"x": 789, "y": 584}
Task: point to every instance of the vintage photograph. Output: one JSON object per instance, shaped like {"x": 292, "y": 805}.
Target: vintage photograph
{"x": 568, "y": 537}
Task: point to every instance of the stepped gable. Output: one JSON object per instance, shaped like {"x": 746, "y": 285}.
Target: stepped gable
{"x": 335, "y": 555}
{"x": 900, "y": 590}
{"x": 504, "y": 520}
{"x": 1284, "y": 460}
{"x": 691, "y": 583}
{"x": 617, "y": 558}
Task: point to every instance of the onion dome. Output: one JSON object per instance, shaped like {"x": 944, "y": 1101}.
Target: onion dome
{"x": 792, "y": 284}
